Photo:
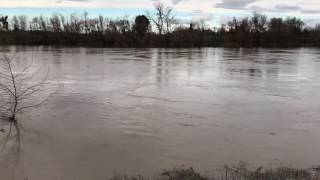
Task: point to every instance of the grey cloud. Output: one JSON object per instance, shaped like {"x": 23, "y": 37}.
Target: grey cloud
{"x": 258, "y": 8}
{"x": 200, "y": 15}
{"x": 277, "y": 8}
{"x": 287, "y": 7}
{"x": 173, "y": 1}
{"x": 310, "y": 11}
{"x": 176, "y": 1}
{"x": 234, "y": 4}
{"x": 61, "y": 1}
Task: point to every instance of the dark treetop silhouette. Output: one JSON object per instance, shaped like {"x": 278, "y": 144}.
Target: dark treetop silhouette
{"x": 58, "y": 30}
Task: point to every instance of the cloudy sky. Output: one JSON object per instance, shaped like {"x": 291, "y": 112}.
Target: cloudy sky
{"x": 214, "y": 11}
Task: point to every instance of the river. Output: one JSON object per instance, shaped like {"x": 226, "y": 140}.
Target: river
{"x": 143, "y": 110}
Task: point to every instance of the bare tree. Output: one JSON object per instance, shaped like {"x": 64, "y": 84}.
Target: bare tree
{"x": 4, "y": 22}
{"x": 101, "y": 24}
{"x": 20, "y": 88}
{"x": 162, "y": 18}
{"x": 169, "y": 19}
{"x": 75, "y": 23}
{"x": 15, "y": 23}
{"x": 43, "y": 24}
{"x": 158, "y": 18}
{"x": 34, "y": 24}
{"x": 86, "y": 23}
{"x": 259, "y": 22}
{"x": 23, "y": 22}
{"x": 55, "y": 23}
{"x": 123, "y": 25}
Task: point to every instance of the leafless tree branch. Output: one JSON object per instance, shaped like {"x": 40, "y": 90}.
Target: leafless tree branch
{"x": 20, "y": 89}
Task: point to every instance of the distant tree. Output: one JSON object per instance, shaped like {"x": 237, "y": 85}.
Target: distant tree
{"x": 233, "y": 25}
{"x": 86, "y": 24}
{"x": 101, "y": 24}
{"x": 93, "y": 25}
{"x": 253, "y": 31}
{"x": 75, "y": 24}
{"x": 158, "y": 17}
{"x": 4, "y": 22}
{"x": 34, "y": 24}
{"x": 65, "y": 25}
{"x": 317, "y": 28}
{"x": 169, "y": 19}
{"x": 141, "y": 25}
{"x": 275, "y": 24}
{"x": 199, "y": 24}
{"x": 259, "y": 22}
{"x": 123, "y": 25}
{"x": 15, "y": 23}
{"x": 43, "y": 24}
{"x": 191, "y": 26}
{"x": 295, "y": 25}
{"x": 55, "y": 23}
{"x": 112, "y": 26}
{"x": 258, "y": 27}
{"x": 244, "y": 33}
{"x": 162, "y": 18}
{"x": 23, "y": 23}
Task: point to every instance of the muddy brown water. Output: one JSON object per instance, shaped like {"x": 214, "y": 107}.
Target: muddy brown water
{"x": 142, "y": 110}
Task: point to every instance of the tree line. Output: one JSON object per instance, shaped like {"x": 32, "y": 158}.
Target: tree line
{"x": 159, "y": 28}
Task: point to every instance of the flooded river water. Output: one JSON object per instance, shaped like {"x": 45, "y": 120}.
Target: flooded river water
{"x": 142, "y": 110}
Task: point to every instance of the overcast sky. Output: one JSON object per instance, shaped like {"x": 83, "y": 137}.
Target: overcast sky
{"x": 214, "y": 11}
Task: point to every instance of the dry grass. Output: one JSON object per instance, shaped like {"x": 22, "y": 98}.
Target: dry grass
{"x": 238, "y": 172}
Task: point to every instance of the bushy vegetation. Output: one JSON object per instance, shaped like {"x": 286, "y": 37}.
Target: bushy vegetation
{"x": 159, "y": 28}
{"x": 238, "y": 172}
